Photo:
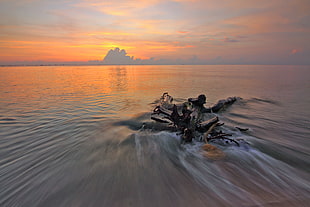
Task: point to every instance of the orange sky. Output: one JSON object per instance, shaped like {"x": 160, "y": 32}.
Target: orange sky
{"x": 226, "y": 31}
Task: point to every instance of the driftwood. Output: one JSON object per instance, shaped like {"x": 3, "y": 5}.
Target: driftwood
{"x": 160, "y": 109}
{"x": 222, "y": 136}
{"x": 208, "y": 132}
{"x": 242, "y": 129}
{"x": 221, "y": 104}
{"x": 189, "y": 122}
{"x": 206, "y": 125}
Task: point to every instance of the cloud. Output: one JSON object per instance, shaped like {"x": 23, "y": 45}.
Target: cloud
{"x": 120, "y": 57}
{"x": 117, "y": 56}
{"x": 120, "y": 8}
{"x": 295, "y": 51}
{"x": 182, "y": 32}
{"x": 227, "y": 39}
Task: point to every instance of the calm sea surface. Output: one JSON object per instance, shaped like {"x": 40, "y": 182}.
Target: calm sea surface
{"x": 72, "y": 136}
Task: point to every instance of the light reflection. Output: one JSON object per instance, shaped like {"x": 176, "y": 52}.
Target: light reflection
{"x": 130, "y": 88}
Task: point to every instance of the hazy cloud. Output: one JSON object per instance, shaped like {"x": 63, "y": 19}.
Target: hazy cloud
{"x": 227, "y": 39}
{"x": 117, "y": 56}
{"x": 295, "y": 51}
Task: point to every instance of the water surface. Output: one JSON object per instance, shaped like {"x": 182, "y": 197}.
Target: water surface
{"x": 72, "y": 136}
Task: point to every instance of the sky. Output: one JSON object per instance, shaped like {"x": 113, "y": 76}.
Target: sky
{"x": 170, "y": 31}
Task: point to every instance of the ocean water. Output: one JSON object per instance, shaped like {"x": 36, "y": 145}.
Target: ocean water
{"x": 74, "y": 136}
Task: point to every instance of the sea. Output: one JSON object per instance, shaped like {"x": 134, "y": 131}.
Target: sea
{"x": 83, "y": 136}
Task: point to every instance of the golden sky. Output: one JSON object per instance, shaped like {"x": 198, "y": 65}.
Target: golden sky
{"x": 223, "y": 31}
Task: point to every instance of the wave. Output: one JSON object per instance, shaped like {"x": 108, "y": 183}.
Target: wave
{"x": 244, "y": 176}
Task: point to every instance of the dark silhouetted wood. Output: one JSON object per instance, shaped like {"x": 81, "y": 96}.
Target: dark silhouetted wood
{"x": 188, "y": 120}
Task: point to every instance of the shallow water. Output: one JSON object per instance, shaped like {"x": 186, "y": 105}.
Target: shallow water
{"x": 73, "y": 136}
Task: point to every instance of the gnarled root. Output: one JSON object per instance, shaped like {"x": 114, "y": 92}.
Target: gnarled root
{"x": 223, "y": 136}
{"x": 208, "y": 125}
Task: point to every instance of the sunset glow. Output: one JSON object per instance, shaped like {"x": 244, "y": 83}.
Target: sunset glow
{"x": 214, "y": 32}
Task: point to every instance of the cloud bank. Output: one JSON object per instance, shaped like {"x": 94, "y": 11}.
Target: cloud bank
{"x": 117, "y": 57}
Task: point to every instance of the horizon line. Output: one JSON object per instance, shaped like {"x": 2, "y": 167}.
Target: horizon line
{"x": 102, "y": 64}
